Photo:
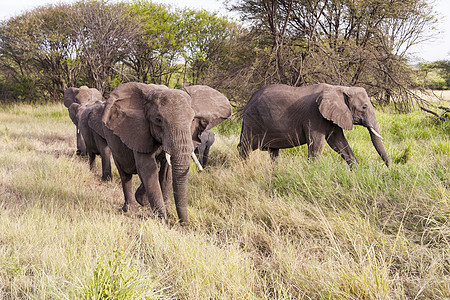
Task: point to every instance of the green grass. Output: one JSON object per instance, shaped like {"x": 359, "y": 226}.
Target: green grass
{"x": 292, "y": 229}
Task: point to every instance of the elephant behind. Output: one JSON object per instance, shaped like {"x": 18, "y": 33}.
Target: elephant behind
{"x": 281, "y": 116}
{"x": 91, "y": 130}
{"x": 151, "y": 131}
{"x": 82, "y": 95}
{"x": 207, "y": 138}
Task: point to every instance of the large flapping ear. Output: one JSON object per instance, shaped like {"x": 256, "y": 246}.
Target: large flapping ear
{"x": 333, "y": 106}
{"x": 69, "y": 96}
{"x": 94, "y": 116}
{"x": 73, "y": 112}
{"x": 95, "y": 95}
{"x": 124, "y": 115}
{"x": 210, "y": 106}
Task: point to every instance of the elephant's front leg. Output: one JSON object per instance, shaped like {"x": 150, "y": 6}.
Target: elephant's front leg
{"x": 315, "y": 141}
{"x": 105, "y": 155}
{"x": 148, "y": 171}
{"x": 127, "y": 187}
{"x": 339, "y": 143}
{"x": 92, "y": 165}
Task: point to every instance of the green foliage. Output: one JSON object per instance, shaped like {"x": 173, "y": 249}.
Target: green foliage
{"x": 117, "y": 279}
{"x": 228, "y": 127}
{"x": 437, "y": 74}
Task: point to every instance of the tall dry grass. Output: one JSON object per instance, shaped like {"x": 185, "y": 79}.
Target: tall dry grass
{"x": 292, "y": 229}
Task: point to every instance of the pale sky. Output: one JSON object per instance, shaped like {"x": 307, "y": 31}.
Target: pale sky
{"x": 431, "y": 51}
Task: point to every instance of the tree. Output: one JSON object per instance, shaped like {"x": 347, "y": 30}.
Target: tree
{"x": 155, "y": 52}
{"x": 442, "y": 67}
{"x": 105, "y": 32}
{"x": 37, "y": 47}
{"x": 341, "y": 42}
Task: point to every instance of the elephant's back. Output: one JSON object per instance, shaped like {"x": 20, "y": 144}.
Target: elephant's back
{"x": 275, "y": 104}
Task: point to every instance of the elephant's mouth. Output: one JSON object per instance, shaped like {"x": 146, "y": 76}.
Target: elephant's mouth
{"x": 193, "y": 156}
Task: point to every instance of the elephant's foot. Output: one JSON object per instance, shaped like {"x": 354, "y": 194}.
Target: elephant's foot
{"x": 130, "y": 207}
{"x": 107, "y": 177}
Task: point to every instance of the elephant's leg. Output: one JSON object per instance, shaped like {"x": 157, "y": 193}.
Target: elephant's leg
{"x": 141, "y": 195}
{"x": 106, "y": 165}
{"x": 148, "y": 171}
{"x": 105, "y": 154}
{"x": 339, "y": 143}
{"x": 244, "y": 145}
{"x": 315, "y": 141}
{"x": 92, "y": 165}
{"x": 274, "y": 153}
{"x": 127, "y": 187}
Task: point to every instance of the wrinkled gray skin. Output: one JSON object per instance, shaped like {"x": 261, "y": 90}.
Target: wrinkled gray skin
{"x": 281, "y": 116}
{"x": 207, "y": 138}
{"x": 91, "y": 129}
{"x": 88, "y": 119}
{"x": 143, "y": 123}
{"x": 81, "y": 95}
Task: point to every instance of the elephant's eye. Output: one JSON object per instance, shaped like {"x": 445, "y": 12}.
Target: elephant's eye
{"x": 364, "y": 107}
{"x": 158, "y": 120}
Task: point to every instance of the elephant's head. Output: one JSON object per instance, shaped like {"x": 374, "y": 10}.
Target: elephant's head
{"x": 346, "y": 106}
{"x": 76, "y": 100}
{"x": 81, "y": 95}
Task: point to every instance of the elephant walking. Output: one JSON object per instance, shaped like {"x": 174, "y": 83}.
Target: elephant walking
{"x": 82, "y": 96}
{"x": 88, "y": 119}
{"x": 280, "y": 116}
{"x": 207, "y": 139}
{"x": 152, "y": 131}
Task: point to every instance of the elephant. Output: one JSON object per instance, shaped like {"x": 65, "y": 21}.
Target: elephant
{"x": 152, "y": 131}
{"x": 91, "y": 129}
{"x": 81, "y": 95}
{"x": 280, "y": 116}
{"x": 207, "y": 138}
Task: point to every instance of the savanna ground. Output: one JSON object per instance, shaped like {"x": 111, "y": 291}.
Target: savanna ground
{"x": 257, "y": 230}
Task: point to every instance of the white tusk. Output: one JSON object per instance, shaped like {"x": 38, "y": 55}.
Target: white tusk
{"x": 376, "y": 133}
{"x": 196, "y": 161}
{"x": 168, "y": 159}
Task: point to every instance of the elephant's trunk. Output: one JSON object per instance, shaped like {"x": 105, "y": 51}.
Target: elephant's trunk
{"x": 376, "y": 138}
{"x": 180, "y": 148}
{"x": 180, "y": 170}
{"x": 81, "y": 144}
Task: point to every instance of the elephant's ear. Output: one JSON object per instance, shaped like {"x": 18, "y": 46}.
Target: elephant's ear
{"x": 95, "y": 95}
{"x": 210, "y": 106}
{"x": 333, "y": 106}
{"x": 69, "y": 96}
{"x": 95, "y": 118}
{"x": 73, "y": 112}
{"x": 124, "y": 115}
